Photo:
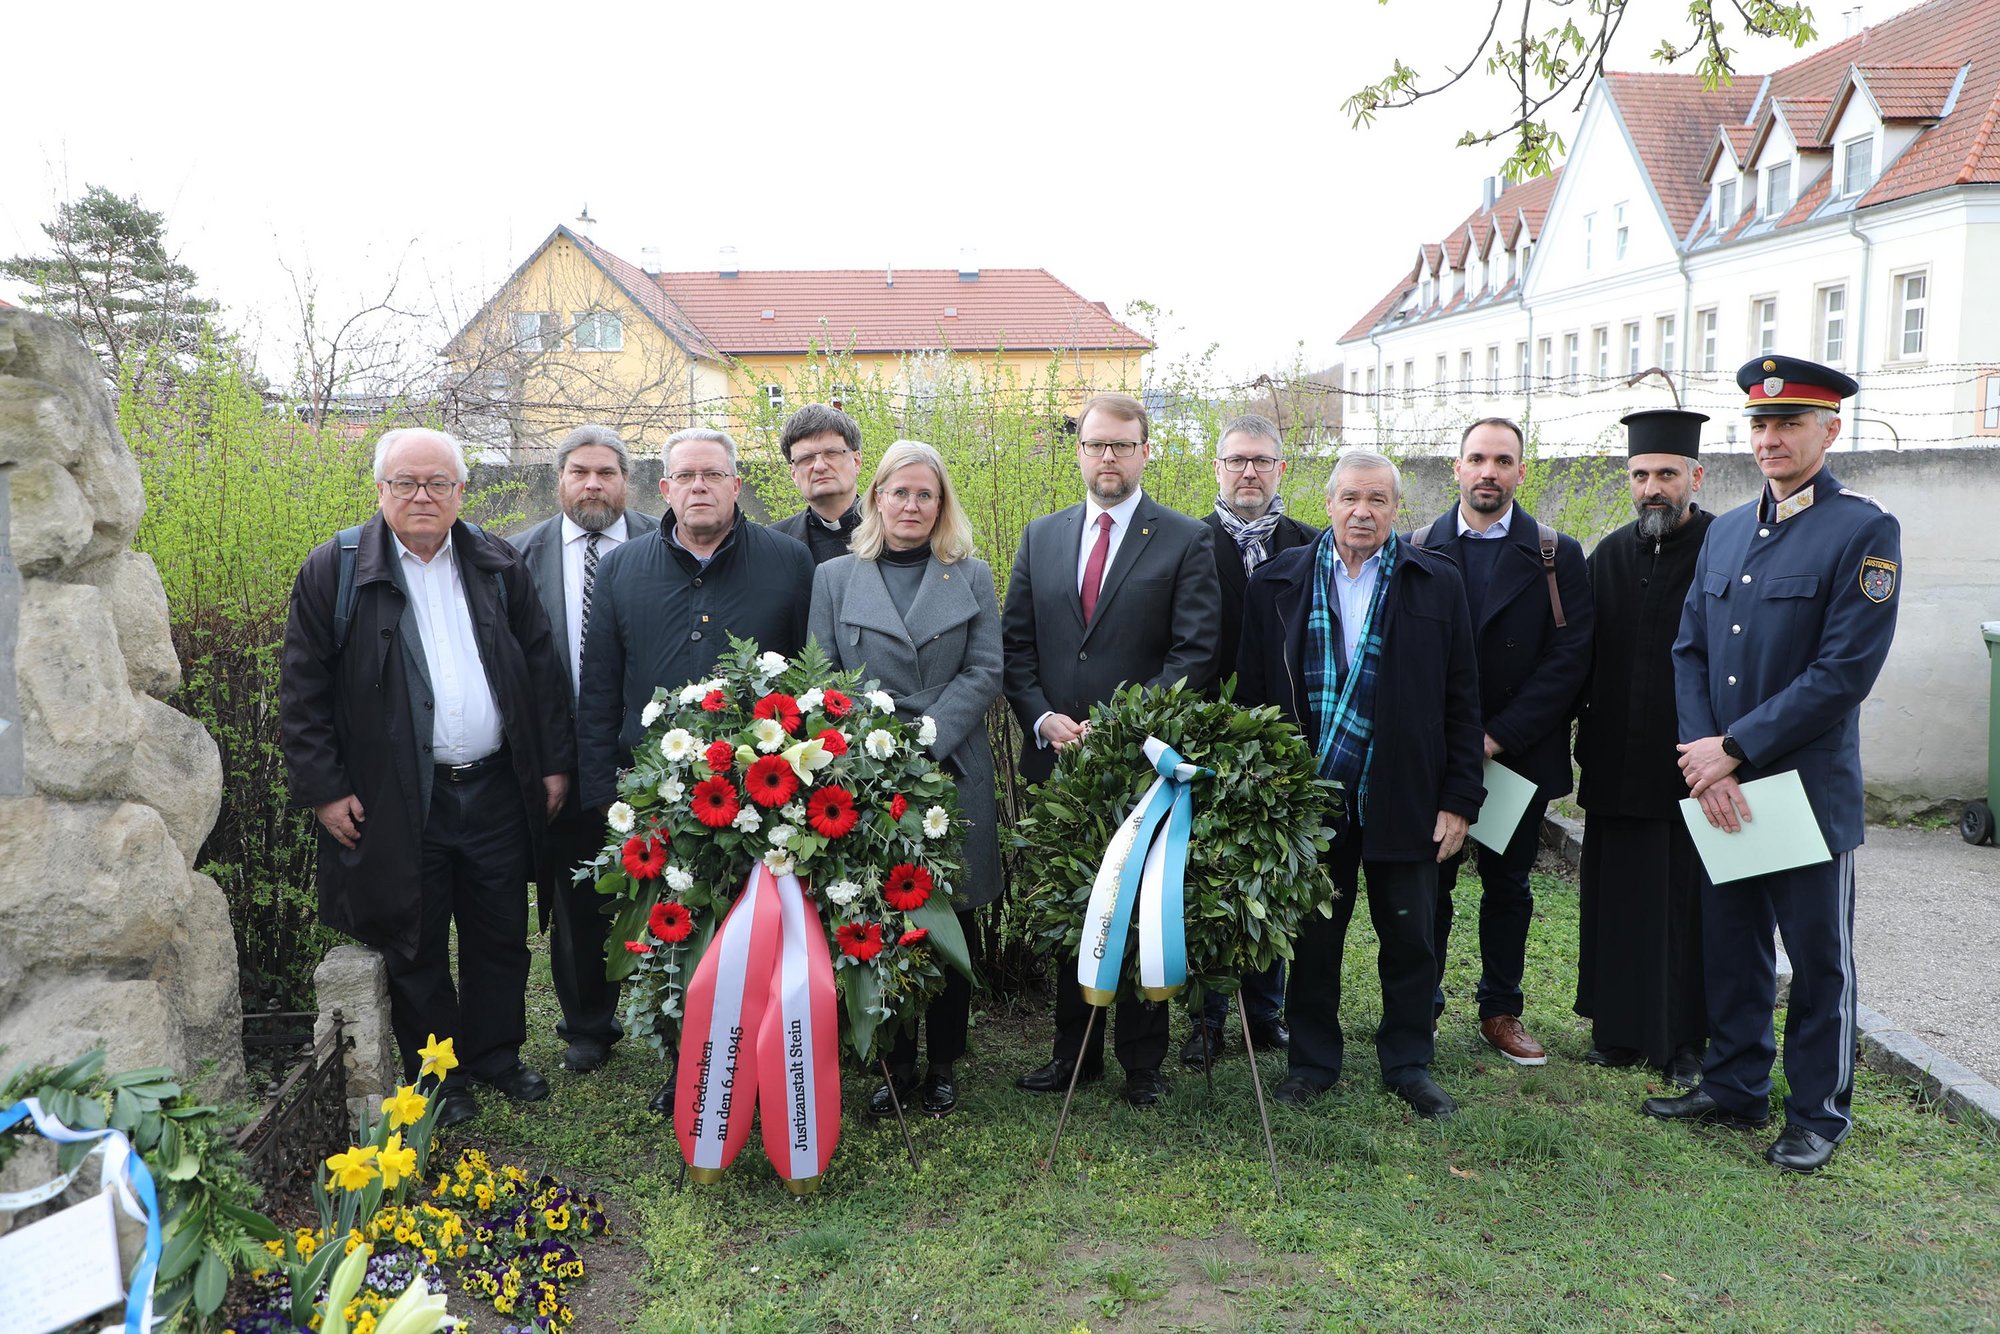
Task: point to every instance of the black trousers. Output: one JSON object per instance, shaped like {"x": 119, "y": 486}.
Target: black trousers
{"x": 1142, "y": 1027}
{"x": 1506, "y": 906}
{"x": 474, "y": 870}
{"x": 1262, "y": 995}
{"x": 1400, "y": 902}
{"x": 946, "y": 1022}
{"x": 574, "y": 910}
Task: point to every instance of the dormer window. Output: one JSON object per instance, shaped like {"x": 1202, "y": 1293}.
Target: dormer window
{"x": 1778, "y": 190}
{"x": 1857, "y": 161}
{"x": 1725, "y": 206}
{"x": 1428, "y": 292}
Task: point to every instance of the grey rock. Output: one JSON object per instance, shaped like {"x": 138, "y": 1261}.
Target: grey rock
{"x": 50, "y": 519}
{"x": 177, "y": 770}
{"x": 78, "y": 712}
{"x": 139, "y": 610}
{"x": 353, "y": 980}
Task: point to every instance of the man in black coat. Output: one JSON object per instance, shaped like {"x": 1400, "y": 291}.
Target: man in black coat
{"x": 562, "y": 554}
{"x": 1118, "y": 589}
{"x": 427, "y": 725}
{"x": 1528, "y": 591}
{"x": 1318, "y": 613}
{"x": 1249, "y": 526}
{"x": 822, "y": 447}
{"x": 1639, "y": 976}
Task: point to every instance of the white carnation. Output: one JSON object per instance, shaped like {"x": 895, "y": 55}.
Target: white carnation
{"x": 621, "y": 817}
{"x": 811, "y": 700}
{"x": 794, "y": 812}
{"x": 842, "y": 892}
{"x": 672, "y": 790}
{"x": 880, "y": 744}
{"x": 748, "y": 820}
{"x": 772, "y": 663}
{"x": 679, "y": 745}
{"x": 782, "y": 835}
{"x": 679, "y": 881}
{"x": 937, "y": 822}
{"x": 780, "y": 861}
{"x": 926, "y": 730}
{"x": 651, "y": 713}
{"x": 770, "y": 734}
{"x": 879, "y": 700}
{"x": 692, "y": 693}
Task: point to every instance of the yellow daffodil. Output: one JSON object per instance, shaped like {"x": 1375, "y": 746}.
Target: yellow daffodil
{"x": 404, "y": 1107}
{"x": 354, "y": 1169}
{"x": 438, "y": 1057}
{"x": 396, "y": 1162}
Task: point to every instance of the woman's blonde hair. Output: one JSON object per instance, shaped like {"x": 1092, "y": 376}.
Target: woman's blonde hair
{"x": 951, "y": 536}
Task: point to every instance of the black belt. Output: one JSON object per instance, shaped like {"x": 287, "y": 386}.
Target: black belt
{"x": 466, "y": 773}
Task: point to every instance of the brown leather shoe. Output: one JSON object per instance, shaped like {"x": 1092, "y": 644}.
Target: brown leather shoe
{"x": 1503, "y": 1033}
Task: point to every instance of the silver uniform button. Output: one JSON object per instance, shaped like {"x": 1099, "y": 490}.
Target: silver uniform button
{"x": 1763, "y": 532}
{"x": 1746, "y": 578}
{"x": 1732, "y": 680}
{"x": 1735, "y": 629}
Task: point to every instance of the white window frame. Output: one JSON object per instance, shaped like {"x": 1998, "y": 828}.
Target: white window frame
{"x": 774, "y": 397}
{"x": 1989, "y": 404}
{"x": 1527, "y": 367}
{"x": 1623, "y": 235}
{"x": 1548, "y": 351}
{"x": 1573, "y": 357}
{"x": 1437, "y": 389}
{"x": 1371, "y": 379}
{"x": 1666, "y": 341}
{"x": 1493, "y": 368}
{"x": 1589, "y": 239}
{"x": 1848, "y": 184}
{"x": 1389, "y": 378}
{"x": 1600, "y": 343}
{"x": 1465, "y": 371}
{"x": 598, "y": 331}
{"x": 1775, "y": 208}
{"x": 545, "y": 336}
{"x": 1725, "y": 206}
{"x": 1632, "y": 356}
{"x": 1764, "y": 324}
{"x": 1705, "y": 324}
{"x": 1410, "y": 376}
{"x": 1830, "y": 331}
{"x": 1908, "y": 305}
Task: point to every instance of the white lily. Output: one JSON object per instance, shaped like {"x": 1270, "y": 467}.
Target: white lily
{"x": 672, "y": 790}
{"x": 808, "y": 758}
{"x": 417, "y": 1311}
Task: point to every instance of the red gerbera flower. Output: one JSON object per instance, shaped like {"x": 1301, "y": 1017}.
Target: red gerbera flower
{"x": 910, "y": 937}
{"x": 638, "y": 947}
{"x": 836, "y": 704}
{"x": 645, "y": 855}
{"x": 835, "y": 743}
{"x": 715, "y": 701}
{"x": 714, "y": 801}
{"x": 860, "y": 942}
{"x": 830, "y": 811}
{"x": 720, "y": 755}
{"x": 897, "y": 805}
{"x": 670, "y": 922}
{"x": 908, "y": 887}
{"x": 771, "y": 781}
{"x": 782, "y": 707}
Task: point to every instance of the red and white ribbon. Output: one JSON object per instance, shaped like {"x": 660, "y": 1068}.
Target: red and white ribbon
{"x": 798, "y": 1050}
{"x": 724, "y": 1013}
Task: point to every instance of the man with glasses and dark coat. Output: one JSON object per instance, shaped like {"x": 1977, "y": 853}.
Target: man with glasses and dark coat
{"x": 1116, "y": 590}
{"x": 1249, "y": 526}
{"x": 665, "y": 605}
{"x": 822, "y": 447}
{"x": 1783, "y": 633}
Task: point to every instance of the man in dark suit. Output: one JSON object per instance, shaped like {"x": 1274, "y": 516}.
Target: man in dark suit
{"x": 1528, "y": 592}
{"x": 562, "y": 554}
{"x": 1115, "y": 590}
{"x": 1365, "y": 643}
{"x": 822, "y": 447}
{"x": 1249, "y": 527}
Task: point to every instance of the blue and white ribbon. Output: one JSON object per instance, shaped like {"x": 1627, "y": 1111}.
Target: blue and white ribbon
{"x": 124, "y": 1174}
{"x": 1145, "y": 867}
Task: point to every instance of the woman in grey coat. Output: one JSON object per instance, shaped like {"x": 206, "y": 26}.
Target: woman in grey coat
{"x": 911, "y": 607}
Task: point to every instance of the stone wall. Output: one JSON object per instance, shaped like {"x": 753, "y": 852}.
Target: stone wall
{"x": 106, "y": 793}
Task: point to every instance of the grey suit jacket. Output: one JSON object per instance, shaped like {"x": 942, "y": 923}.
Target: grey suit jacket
{"x": 541, "y": 547}
{"x": 942, "y": 660}
{"x": 1159, "y": 618}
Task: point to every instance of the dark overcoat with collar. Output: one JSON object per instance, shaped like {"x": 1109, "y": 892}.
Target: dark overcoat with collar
{"x": 357, "y": 722}
{"x": 1531, "y": 671}
{"x": 1427, "y": 743}
{"x": 1159, "y": 618}
{"x": 941, "y": 660}
{"x": 1288, "y": 533}
{"x": 542, "y": 548}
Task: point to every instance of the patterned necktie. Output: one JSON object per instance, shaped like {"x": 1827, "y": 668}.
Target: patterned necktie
{"x": 589, "y": 577}
{"x": 1093, "y": 569}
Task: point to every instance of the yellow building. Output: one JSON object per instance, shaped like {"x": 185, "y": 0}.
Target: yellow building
{"x": 577, "y": 334}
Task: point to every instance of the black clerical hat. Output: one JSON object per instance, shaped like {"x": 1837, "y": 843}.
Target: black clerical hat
{"x": 1785, "y": 385}
{"x": 1663, "y": 431}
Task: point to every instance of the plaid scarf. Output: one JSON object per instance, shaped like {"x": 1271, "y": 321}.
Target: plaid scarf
{"x": 1253, "y": 539}
{"x": 1344, "y": 709}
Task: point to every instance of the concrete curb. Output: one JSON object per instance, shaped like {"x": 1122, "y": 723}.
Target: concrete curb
{"x": 1885, "y": 1048}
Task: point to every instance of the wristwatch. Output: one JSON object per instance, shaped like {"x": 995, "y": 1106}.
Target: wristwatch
{"x": 1734, "y": 749}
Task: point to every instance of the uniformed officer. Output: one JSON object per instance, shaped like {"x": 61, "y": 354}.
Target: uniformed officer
{"x": 1783, "y": 633}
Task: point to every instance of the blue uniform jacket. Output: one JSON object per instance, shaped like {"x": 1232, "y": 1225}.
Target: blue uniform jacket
{"x": 1783, "y": 632}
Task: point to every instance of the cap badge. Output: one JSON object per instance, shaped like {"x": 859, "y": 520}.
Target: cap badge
{"x": 1770, "y": 365}
{"x": 1774, "y": 385}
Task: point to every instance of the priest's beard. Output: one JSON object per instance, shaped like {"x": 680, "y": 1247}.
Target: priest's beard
{"x": 1656, "y": 520}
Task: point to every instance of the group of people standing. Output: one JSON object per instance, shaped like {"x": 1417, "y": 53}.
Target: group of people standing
{"x": 458, "y": 724}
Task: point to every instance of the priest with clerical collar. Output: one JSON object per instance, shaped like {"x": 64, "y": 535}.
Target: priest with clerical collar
{"x": 822, "y": 447}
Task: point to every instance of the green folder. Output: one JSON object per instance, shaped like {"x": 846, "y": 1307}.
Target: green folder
{"x": 1507, "y": 798}
{"x": 1782, "y": 832}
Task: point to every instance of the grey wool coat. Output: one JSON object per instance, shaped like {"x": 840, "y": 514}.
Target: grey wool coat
{"x": 944, "y": 662}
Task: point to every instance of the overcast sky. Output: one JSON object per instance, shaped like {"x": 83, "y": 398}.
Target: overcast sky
{"x": 1196, "y": 158}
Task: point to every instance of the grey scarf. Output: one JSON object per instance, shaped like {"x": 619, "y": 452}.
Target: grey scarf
{"x": 1253, "y": 539}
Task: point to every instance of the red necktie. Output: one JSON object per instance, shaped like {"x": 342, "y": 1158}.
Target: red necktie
{"x": 1093, "y": 569}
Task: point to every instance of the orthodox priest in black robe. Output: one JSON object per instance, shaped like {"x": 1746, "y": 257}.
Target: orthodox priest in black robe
{"x": 1639, "y": 970}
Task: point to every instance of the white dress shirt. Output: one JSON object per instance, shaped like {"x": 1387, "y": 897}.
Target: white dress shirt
{"x": 1354, "y": 591}
{"x": 1498, "y": 530}
{"x": 1121, "y": 519}
{"x": 574, "y": 540}
{"x": 465, "y": 724}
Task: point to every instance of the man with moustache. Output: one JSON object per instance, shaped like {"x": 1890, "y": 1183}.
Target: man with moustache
{"x": 1639, "y": 946}
{"x": 563, "y": 554}
{"x": 1364, "y": 642}
{"x": 1116, "y": 590}
{"x": 1528, "y": 593}
{"x": 822, "y": 447}
{"x": 1249, "y": 526}
{"x": 1782, "y": 636}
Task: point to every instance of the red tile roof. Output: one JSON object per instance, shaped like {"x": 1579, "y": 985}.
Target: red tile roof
{"x": 1804, "y": 116}
{"x": 639, "y": 285}
{"x": 1671, "y": 119}
{"x": 1910, "y": 92}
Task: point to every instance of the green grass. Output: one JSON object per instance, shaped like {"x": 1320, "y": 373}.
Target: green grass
{"x": 1548, "y": 1204}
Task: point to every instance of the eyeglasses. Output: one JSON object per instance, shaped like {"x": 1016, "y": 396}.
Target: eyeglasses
{"x": 402, "y": 488}
{"x": 1120, "y": 449}
{"x": 707, "y": 475}
{"x": 828, "y": 456}
{"x": 1238, "y": 462}
{"x": 902, "y": 495}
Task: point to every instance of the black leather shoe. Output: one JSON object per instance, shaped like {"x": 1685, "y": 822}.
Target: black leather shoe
{"x": 1612, "y": 1058}
{"x": 1144, "y": 1088}
{"x": 880, "y": 1103}
{"x": 1685, "y": 1069}
{"x": 1699, "y": 1107}
{"x": 662, "y": 1103}
{"x": 1426, "y": 1099}
{"x": 1054, "y": 1077}
{"x": 520, "y": 1084}
{"x": 1197, "y": 1056}
{"x": 458, "y": 1107}
{"x": 1270, "y": 1034}
{"x": 1799, "y": 1150}
{"x": 1297, "y": 1091}
{"x": 940, "y": 1092}
{"x": 584, "y": 1055}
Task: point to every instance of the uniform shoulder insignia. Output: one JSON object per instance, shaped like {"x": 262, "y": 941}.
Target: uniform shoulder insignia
{"x": 1870, "y": 499}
